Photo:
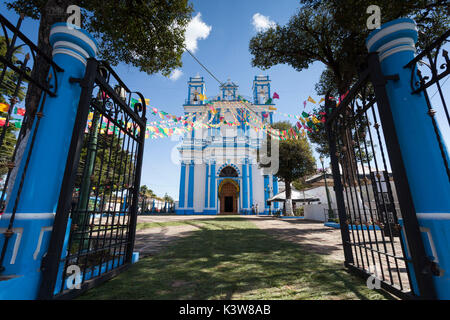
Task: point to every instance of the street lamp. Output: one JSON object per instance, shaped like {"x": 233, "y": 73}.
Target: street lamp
{"x": 330, "y": 211}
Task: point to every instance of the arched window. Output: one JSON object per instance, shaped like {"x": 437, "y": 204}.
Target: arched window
{"x": 228, "y": 172}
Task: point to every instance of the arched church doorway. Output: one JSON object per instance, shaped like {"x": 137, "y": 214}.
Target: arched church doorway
{"x": 228, "y": 196}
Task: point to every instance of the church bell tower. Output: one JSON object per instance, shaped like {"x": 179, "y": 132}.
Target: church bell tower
{"x": 196, "y": 88}
{"x": 261, "y": 89}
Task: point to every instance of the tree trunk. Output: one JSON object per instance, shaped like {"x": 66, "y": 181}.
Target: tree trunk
{"x": 347, "y": 160}
{"x": 288, "y": 202}
{"x": 54, "y": 11}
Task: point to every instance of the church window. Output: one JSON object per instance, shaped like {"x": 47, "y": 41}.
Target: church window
{"x": 228, "y": 172}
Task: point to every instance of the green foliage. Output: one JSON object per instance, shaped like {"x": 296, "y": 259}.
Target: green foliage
{"x": 299, "y": 212}
{"x": 146, "y": 34}
{"x": 113, "y": 166}
{"x": 282, "y": 125}
{"x": 320, "y": 138}
{"x": 432, "y": 16}
{"x": 168, "y": 198}
{"x": 299, "y": 184}
{"x": 146, "y": 191}
{"x": 334, "y": 33}
{"x": 295, "y": 158}
{"x": 311, "y": 35}
{"x": 8, "y": 91}
{"x": 30, "y": 8}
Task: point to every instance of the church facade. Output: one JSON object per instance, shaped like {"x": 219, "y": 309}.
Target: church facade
{"x": 220, "y": 173}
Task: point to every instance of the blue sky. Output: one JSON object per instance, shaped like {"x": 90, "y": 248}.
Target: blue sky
{"x": 223, "y": 30}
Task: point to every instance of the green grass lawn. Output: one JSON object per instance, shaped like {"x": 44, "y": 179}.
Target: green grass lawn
{"x": 229, "y": 258}
{"x": 148, "y": 225}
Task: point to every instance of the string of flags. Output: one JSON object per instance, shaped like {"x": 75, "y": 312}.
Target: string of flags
{"x": 306, "y": 123}
{"x": 177, "y": 125}
{"x": 4, "y": 107}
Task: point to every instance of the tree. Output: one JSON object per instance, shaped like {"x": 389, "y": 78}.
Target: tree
{"x": 143, "y": 190}
{"x": 10, "y": 89}
{"x": 168, "y": 198}
{"x": 295, "y": 161}
{"x": 300, "y": 184}
{"x": 333, "y": 32}
{"x": 146, "y": 191}
{"x": 146, "y": 34}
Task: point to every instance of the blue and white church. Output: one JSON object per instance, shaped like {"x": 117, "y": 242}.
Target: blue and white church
{"x": 220, "y": 174}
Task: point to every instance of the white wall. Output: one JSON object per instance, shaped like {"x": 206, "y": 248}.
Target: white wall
{"x": 258, "y": 188}
{"x": 199, "y": 187}
{"x": 315, "y": 212}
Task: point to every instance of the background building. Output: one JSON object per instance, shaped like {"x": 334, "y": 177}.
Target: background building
{"x": 219, "y": 169}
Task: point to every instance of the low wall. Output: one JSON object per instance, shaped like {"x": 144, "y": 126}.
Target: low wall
{"x": 315, "y": 212}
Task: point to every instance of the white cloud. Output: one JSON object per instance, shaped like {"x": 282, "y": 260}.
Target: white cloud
{"x": 262, "y": 23}
{"x": 176, "y": 74}
{"x": 196, "y": 30}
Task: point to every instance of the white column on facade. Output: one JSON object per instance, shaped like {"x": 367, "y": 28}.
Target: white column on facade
{"x": 199, "y": 187}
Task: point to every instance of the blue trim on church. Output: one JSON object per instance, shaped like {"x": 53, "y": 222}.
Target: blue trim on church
{"x": 275, "y": 190}
{"x": 182, "y": 185}
{"x": 266, "y": 191}
{"x": 251, "y": 183}
{"x": 191, "y": 185}
{"x": 206, "y": 185}
{"x": 212, "y": 189}
{"x": 244, "y": 187}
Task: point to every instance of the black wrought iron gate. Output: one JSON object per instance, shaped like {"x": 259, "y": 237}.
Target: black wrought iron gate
{"x": 380, "y": 232}
{"x": 95, "y": 222}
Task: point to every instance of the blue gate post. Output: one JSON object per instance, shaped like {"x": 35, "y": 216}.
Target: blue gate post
{"x": 42, "y": 184}
{"x": 425, "y": 169}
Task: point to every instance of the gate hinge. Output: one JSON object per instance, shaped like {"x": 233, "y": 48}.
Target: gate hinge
{"x": 44, "y": 262}
{"x": 75, "y": 80}
{"x": 432, "y": 267}
{"x": 394, "y": 77}
{"x": 82, "y": 82}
